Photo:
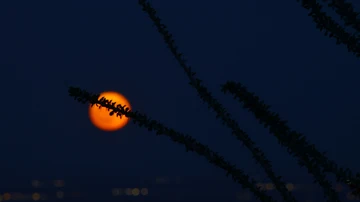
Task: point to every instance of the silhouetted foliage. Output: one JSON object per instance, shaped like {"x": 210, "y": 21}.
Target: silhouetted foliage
{"x": 316, "y": 163}
{"x": 190, "y": 143}
{"x": 333, "y": 29}
{"x": 307, "y": 155}
{"x": 346, "y": 13}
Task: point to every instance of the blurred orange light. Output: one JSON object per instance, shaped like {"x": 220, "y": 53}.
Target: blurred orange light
{"x": 269, "y": 186}
{"x": 290, "y": 186}
{"x": 7, "y": 196}
{"x": 36, "y": 196}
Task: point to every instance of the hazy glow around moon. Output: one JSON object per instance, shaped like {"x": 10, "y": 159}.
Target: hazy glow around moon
{"x": 101, "y": 118}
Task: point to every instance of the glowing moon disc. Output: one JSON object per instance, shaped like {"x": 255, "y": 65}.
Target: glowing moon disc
{"x": 101, "y": 118}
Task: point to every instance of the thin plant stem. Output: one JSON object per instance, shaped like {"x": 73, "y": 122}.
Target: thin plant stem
{"x": 212, "y": 103}
{"x": 189, "y": 142}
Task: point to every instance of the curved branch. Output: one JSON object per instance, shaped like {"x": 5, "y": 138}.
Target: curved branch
{"x": 295, "y": 142}
{"x": 330, "y": 27}
{"x": 190, "y": 143}
{"x": 346, "y": 13}
{"x": 221, "y": 113}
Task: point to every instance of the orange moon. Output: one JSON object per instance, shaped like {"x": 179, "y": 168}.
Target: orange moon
{"x": 101, "y": 118}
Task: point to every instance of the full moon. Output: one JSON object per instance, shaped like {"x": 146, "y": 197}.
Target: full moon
{"x": 101, "y": 118}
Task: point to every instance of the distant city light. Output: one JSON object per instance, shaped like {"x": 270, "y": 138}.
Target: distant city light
{"x": 36, "y": 196}
{"x": 128, "y": 191}
{"x": 269, "y": 186}
{"x": 290, "y": 186}
{"x": 135, "y": 192}
{"x": 144, "y": 191}
{"x": 6, "y": 196}
{"x": 59, "y": 183}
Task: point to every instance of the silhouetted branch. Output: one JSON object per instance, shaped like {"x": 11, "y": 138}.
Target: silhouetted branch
{"x": 295, "y": 142}
{"x": 331, "y": 28}
{"x": 190, "y": 143}
{"x": 346, "y": 13}
{"x": 221, "y": 113}
{"x": 316, "y": 162}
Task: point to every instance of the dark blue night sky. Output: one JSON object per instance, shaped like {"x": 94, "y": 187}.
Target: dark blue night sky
{"x": 272, "y": 47}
